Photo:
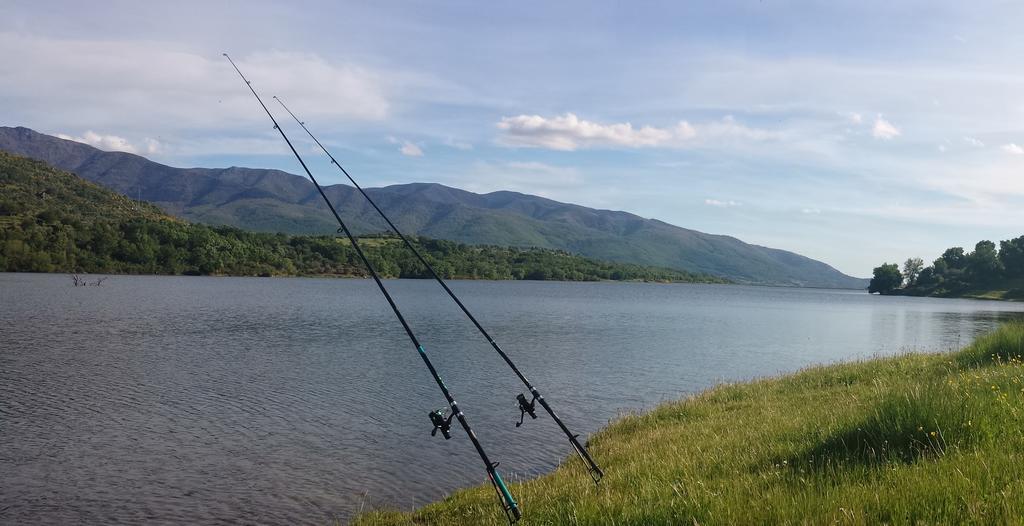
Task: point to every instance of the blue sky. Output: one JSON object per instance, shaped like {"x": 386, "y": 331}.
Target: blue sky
{"x": 854, "y": 133}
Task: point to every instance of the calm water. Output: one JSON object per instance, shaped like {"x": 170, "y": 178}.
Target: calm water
{"x": 213, "y": 400}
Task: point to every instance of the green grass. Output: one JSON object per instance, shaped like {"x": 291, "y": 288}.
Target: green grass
{"x": 1010, "y": 290}
{"x": 1005, "y": 289}
{"x": 913, "y": 439}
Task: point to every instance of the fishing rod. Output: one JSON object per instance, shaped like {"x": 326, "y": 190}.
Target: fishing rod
{"x": 526, "y": 407}
{"x": 437, "y": 418}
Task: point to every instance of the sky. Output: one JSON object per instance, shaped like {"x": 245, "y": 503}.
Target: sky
{"x": 851, "y": 132}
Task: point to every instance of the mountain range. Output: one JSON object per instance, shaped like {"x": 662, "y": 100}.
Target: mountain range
{"x": 277, "y": 201}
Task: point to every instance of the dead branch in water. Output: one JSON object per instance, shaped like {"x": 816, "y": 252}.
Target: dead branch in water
{"x": 80, "y": 281}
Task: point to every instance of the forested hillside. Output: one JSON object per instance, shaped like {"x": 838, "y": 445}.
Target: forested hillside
{"x": 54, "y": 221}
{"x": 275, "y": 201}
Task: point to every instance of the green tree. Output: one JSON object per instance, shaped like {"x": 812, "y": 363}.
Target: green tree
{"x": 886, "y": 279}
{"x": 911, "y": 270}
{"x": 1011, "y": 256}
{"x": 983, "y": 264}
{"x": 949, "y": 268}
{"x": 55, "y": 221}
{"x": 927, "y": 278}
{"x": 954, "y": 258}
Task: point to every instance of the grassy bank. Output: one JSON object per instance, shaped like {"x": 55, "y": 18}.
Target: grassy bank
{"x": 919, "y": 438}
{"x": 1006, "y": 290}
{"x": 1010, "y": 290}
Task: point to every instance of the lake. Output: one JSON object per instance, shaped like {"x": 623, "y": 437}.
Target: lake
{"x": 301, "y": 401}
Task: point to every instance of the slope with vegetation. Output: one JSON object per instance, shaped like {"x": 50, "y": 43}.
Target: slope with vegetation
{"x": 275, "y": 201}
{"x": 53, "y": 221}
{"x": 985, "y": 273}
{"x": 913, "y": 439}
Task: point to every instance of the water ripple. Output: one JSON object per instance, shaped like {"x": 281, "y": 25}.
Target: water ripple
{"x": 299, "y": 401}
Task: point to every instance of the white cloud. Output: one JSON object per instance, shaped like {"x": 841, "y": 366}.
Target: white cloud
{"x": 974, "y": 142}
{"x": 855, "y": 117}
{"x": 171, "y": 91}
{"x": 113, "y": 142}
{"x": 721, "y": 204}
{"x": 568, "y": 132}
{"x": 884, "y": 129}
{"x": 1013, "y": 149}
{"x": 152, "y": 146}
{"x": 685, "y": 130}
{"x": 411, "y": 149}
{"x": 407, "y": 147}
{"x": 810, "y": 211}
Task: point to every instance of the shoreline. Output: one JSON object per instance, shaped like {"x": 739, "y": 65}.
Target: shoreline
{"x": 351, "y": 276}
{"x": 459, "y": 278}
{"x": 933, "y": 438}
{"x": 991, "y": 295}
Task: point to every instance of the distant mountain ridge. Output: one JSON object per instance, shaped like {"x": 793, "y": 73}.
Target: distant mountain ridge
{"x": 273, "y": 200}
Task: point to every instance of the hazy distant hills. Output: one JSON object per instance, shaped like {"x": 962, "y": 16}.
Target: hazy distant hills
{"x": 272, "y": 200}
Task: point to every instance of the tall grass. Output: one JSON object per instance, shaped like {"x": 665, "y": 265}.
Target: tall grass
{"x": 1001, "y": 346}
{"x": 919, "y": 438}
{"x": 921, "y": 421}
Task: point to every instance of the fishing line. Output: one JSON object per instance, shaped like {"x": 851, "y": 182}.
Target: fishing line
{"x": 437, "y": 418}
{"x": 526, "y": 407}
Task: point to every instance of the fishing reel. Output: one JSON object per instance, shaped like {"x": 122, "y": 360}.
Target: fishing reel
{"x": 442, "y": 424}
{"x": 526, "y": 407}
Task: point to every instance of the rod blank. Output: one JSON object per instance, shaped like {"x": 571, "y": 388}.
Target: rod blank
{"x": 592, "y": 468}
{"x": 508, "y": 503}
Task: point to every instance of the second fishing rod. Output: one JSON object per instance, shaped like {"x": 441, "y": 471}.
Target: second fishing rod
{"x": 437, "y": 418}
{"x": 526, "y": 407}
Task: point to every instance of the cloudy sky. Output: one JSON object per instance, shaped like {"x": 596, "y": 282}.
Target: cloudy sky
{"x": 853, "y": 132}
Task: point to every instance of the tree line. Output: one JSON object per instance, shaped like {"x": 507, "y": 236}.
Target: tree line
{"x": 957, "y": 272}
{"x": 52, "y": 221}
